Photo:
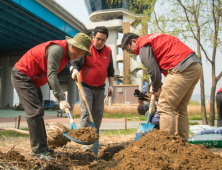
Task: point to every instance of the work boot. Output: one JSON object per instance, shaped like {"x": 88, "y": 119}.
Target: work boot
{"x": 86, "y": 148}
{"x": 50, "y": 150}
{"x": 43, "y": 156}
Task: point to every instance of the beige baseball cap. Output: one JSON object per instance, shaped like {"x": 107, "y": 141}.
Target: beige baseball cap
{"x": 81, "y": 41}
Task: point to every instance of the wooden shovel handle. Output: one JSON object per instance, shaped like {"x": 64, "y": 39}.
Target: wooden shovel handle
{"x": 151, "y": 103}
{"x": 78, "y": 83}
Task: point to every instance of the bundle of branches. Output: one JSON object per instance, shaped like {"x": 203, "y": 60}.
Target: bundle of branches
{"x": 55, "y": 135}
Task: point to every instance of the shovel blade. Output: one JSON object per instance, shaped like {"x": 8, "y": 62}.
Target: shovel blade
{"x": 140, "y": 131}
{"x": 96, "y": 144}
{"x": 143, "y": 129}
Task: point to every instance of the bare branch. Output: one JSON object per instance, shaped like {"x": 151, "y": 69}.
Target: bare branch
{"x": 195, "y": 37}
{"x": 157, "y": 22}
{"x": 219, "y": 76}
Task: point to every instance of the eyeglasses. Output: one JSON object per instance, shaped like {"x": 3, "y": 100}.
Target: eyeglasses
{"x": 128, "y": 49}
{"x": 102, "y": 40}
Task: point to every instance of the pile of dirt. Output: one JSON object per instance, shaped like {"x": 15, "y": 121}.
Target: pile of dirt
{"x": 55, "y": 135}
{"x": 155, "y": 150}
{"x": 85, "y": 134}
{"x": 13, "y": 159}
{"x": 160, "y": 150}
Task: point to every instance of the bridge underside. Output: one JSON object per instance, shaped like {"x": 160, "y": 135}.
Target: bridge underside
{"x": 23, "y": 25}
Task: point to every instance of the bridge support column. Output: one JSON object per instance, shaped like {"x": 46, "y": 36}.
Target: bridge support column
{"x": 45, "y": 92}
{"x": 73, "y": 93}
{"x": 7, "y": 89}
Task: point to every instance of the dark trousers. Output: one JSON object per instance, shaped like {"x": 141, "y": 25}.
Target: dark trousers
{"x": 95, "y": 100}
{"x": 219, "y": 109}
{"x": 31, "y": 99}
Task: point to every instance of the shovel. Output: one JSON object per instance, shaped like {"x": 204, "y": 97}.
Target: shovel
{"x": 73, "y": 125}
{"x": 96, "y": 143}
{"x": 146, "y": 127}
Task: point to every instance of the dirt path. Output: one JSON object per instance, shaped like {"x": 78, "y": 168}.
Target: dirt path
{"x": 115, "y": 152}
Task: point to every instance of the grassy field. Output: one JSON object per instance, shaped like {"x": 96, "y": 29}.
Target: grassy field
{"x": 118, "y": 112}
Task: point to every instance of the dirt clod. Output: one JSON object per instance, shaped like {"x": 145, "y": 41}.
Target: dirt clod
{"x": 85, "y": 134}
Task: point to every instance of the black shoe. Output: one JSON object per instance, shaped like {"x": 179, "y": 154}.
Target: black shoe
{"x": 50, "y": 150}
{"x": 44, "y": 156}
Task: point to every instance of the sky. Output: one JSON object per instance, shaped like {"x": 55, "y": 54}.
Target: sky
{"x": 78, "y": 10}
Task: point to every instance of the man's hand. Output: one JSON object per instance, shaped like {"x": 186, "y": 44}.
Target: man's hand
{"x": 63, "y": 105}
{"x": 148, "y": 96}
{"x": 110, "y": 90}
{"x": 74, "y": 72}
{"x": 140, "y": 102}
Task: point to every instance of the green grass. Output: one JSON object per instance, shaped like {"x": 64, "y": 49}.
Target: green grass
{"x": 5, "y": 133}
{"x": 193, "y": 123}
{"x": 119, "y": 132}
{"x": 194, "y": 102}
{"x": 133, "y": 117}
{"x": 130, "y": 117}
{"x": 199, "y": 117}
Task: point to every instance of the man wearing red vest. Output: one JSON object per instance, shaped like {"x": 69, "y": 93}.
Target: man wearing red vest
{"x": 219, "y": 107}
{"x": 40, "y": 65}
{"x": 93, "y": 73}
{"x": 161, "y": 53}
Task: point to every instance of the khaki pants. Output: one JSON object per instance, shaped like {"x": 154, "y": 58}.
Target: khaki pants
{"x": 174, "y": 98}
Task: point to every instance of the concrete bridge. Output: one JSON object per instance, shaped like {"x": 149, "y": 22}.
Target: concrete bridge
{"x": 25, "y": 24}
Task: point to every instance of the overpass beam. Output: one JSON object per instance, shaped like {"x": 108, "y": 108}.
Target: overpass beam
{"x": 73, "y": 93}
{"x": 7, "y": 89}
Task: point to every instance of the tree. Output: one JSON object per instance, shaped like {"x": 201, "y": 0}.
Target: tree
{"x": 192, "y": 21}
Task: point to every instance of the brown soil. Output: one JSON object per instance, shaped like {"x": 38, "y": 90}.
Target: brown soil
{"x": 85, "y": 134}
{"x": 155, "y": 150}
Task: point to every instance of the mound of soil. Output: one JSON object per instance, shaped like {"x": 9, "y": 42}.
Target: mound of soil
{"x": 155, "y": 150}
{"x": 55, "y": 135}
{"x": 85, "y": 134}
{"x": 160, "y": 150}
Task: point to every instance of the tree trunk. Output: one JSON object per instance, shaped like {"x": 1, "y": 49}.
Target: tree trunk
{"x": 202, "y": 102}
{"x": 212, "y": 104}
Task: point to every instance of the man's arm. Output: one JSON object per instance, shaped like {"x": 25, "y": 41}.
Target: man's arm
{"x": 142, "y": 109}
{"x": 77, "y": 63}
{"x": 110, "y": 70}
{"x": 149, "y": 61}
{"x": 54, "y": 55}
{"x": 110, "y": 75}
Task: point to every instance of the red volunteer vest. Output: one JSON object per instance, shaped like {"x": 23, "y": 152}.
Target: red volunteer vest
{"x": 219, "y": 90}
{"x": 94, "y": 70}
{"x": 34, "y": 62}
{"x": 168, "y": 50}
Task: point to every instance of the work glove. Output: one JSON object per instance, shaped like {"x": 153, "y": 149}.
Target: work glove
{"x": 110, "y": 90}
{"x": 63, "y": 105}
{"x": 75, "y": 71}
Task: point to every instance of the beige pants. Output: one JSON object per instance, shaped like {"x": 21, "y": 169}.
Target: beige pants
{"x": 174, "y": 98}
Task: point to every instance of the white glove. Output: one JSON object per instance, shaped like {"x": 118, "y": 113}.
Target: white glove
{"x": 110, "y": 90}
{"x": 63, "y": 105}
{"x": 75, "y": 71}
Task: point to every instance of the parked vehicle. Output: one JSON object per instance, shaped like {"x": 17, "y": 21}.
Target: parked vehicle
{"x": 50, "y": 105}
